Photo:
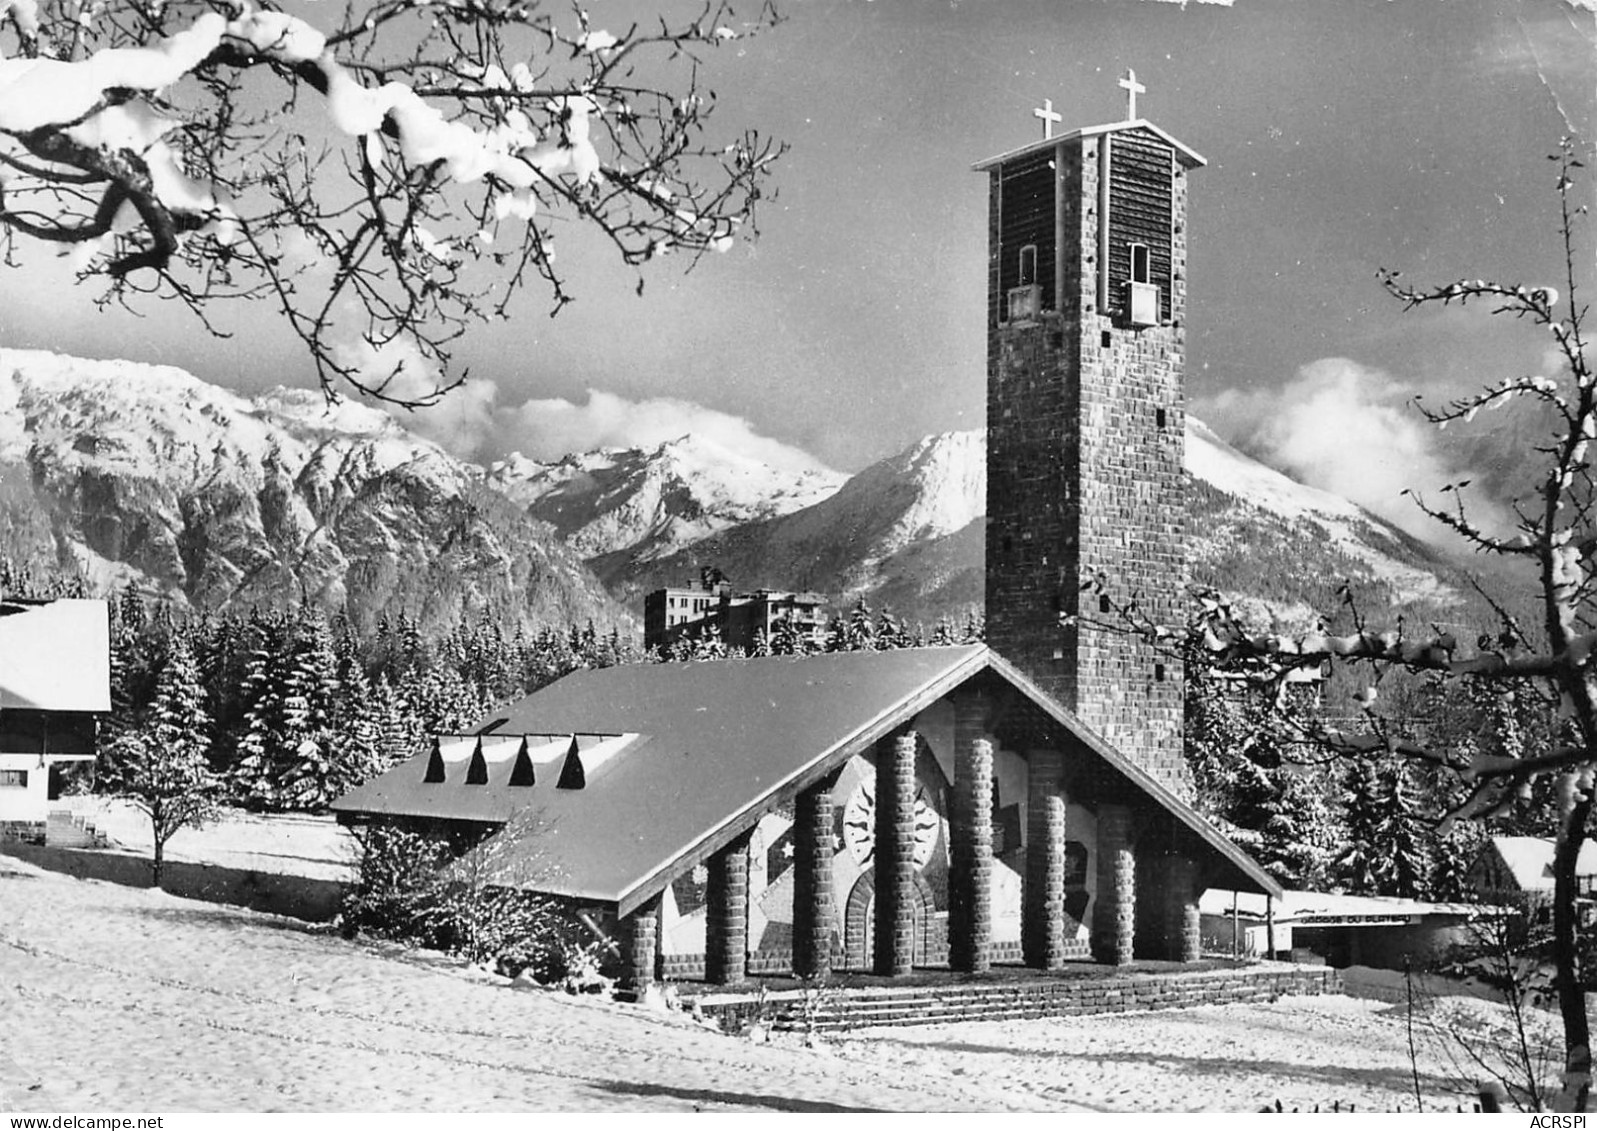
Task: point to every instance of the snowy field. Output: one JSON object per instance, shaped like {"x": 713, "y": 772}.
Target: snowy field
{"x": 128, "y": 999}
{"x": 295, "y": 844}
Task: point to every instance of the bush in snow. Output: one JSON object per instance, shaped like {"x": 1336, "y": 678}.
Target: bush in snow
{"x": 431, "y": 888}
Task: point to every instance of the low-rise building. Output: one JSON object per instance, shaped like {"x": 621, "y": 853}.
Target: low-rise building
{"x": 55, "y": 679}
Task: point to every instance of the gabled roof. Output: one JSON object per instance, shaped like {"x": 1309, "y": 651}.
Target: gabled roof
{"x": 710, "y": 747}
{"x": 1529, "y": 859}
{"x": 1190, "y": 157}
{"x": 55, "y": 656}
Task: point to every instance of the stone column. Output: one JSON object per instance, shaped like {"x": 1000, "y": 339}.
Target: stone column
{"x": 1181, "y": 936}
{"x": 1042, "y": 912}
{"x": 895, "y": 855}
{"x": 726, "y": 925}
{"x": 641, "y": 942}
{"x": 970, "y": 876}
{"x": 813, "y": 915}
{"x": 1114, "y": 915}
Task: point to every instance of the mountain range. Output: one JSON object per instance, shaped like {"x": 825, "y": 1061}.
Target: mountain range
{"x": 146, "y": 475}
{"x": 130, "y": 473}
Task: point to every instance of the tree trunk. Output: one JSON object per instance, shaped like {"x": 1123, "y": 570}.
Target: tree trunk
{"x": 155, "y": 863}
{"x": 1566, "y": 960}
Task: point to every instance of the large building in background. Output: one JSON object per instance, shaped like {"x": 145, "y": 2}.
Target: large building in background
{"x": 739, "y": 619}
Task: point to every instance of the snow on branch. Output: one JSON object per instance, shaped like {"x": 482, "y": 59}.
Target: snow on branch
{"x": 408, "y": 163}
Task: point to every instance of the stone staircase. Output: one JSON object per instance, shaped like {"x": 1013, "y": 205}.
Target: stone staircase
{"x": 66, "y": 829}
{"x": 832, "y": 1009}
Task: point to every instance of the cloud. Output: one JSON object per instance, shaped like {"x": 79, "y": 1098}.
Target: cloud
{"x": 550, "y": 428}
{"x": 1349, "y": 429}
{"x": 471, "y": 423}
{"x": 464, "y": 422}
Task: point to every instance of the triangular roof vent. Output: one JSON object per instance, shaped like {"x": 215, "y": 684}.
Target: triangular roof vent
{"x": 572, "y": 775}
{"x": 521, "y": 773}
{"x": 435, "y": 765}
{"x": 477, "y": 768}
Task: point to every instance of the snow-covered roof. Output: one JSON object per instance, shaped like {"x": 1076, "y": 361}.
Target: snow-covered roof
{"x": 1326, "y": 909}
{"x": 1191, "y": 158}
{"x": 1530, "y": 860}
{"x": 56, "y": 656}
{"x": 697, "y": 754}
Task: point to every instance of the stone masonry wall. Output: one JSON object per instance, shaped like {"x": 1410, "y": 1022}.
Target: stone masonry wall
{"x": 1086, "y": 425}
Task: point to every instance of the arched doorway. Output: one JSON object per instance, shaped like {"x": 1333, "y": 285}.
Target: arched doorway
{"x": 859, "y": 924}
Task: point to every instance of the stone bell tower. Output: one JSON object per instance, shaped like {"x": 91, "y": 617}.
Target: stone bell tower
{"x": 1086, "y": 309}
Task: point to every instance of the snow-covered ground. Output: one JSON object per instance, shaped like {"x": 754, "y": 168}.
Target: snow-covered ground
{"x": 293, "y": 844}
{"x": 131, "y": 999}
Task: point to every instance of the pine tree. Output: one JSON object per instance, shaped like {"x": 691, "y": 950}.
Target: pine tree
{"x": 1359, "y": 865}
{"x": 708, "y": 645}
{"x": 1389, "y": 845}
{"x": 785, "y": 638}
{"x": 1241, "y": 755}
{"x": 165, "y": 768}
{"x": 890, "y": 631}
{"x": 859, "y": 631}
{"x": 399, "y": 729}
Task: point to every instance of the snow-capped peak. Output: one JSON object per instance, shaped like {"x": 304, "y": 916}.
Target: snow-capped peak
{"x": 651, "y": 502}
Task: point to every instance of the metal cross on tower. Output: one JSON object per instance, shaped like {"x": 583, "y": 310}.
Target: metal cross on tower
{"x": 1049, "y": 117}
{"x": 1132, "y": 87}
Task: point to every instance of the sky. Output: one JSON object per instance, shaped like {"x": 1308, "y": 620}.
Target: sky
{"x": 1340, "y": 138}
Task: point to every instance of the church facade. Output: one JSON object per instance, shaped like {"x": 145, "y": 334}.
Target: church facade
{"x": 1023, "y": 800}
{"x": 870, "y": 811}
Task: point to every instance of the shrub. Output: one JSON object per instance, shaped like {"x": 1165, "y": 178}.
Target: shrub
{"x": 423, "y": 887}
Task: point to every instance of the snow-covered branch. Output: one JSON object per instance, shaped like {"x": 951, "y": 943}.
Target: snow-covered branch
{"x": 409, "y": 163}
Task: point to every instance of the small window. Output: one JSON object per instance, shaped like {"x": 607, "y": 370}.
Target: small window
{"x": 1158, "y": 673}
{"x": 1028, "y": 265}
{"x": 13, "y": 779}
{"x": 1141, "y": 264}
{"x": 1108, "y": 339}
{"x": 1159, "y": 417}
{"x": 1103, "y": 603}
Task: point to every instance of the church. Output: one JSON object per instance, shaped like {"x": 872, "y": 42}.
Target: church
{"x": 1024, "y": 800}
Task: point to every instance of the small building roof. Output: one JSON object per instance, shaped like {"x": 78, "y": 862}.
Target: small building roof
{"x": 55, "y": 656}
{"x": 1529, "y": 859}
{"x": 1190, "y": 157}
{"x": 676, "y": 760}
{"x": 1334, "y": 909}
